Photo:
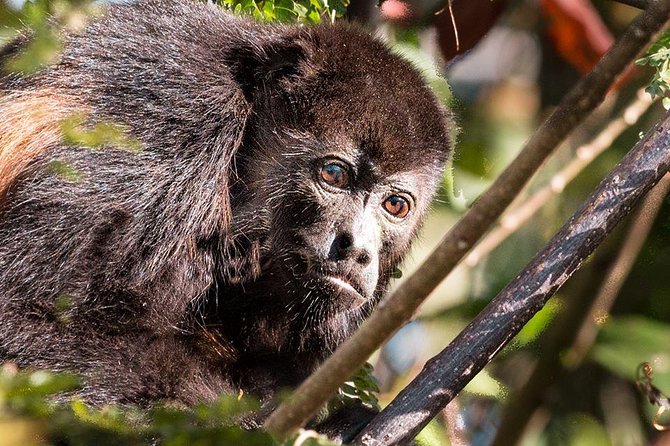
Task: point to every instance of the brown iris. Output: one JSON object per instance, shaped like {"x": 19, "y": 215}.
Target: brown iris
{"x": 335, "y": 174}
{"x": 397, "y": 206}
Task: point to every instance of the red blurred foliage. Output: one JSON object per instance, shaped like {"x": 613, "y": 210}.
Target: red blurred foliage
{"x": 577, "y": 32}
{"x": 574, "y": 27}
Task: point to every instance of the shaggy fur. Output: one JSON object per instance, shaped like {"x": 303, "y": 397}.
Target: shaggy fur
{"x": 195, "y": 266}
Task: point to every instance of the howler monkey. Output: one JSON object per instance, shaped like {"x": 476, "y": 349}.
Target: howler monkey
{"x": 282, "y": 173}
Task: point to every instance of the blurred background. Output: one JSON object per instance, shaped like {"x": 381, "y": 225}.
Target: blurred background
{"x": 571, "y": 376}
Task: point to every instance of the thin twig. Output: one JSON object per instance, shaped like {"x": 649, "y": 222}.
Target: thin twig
{"x": 447, "y": 373}
{"x": 453, "y": 23}
{"x": 586, "y": 153}
{"x": 398, "y": 308}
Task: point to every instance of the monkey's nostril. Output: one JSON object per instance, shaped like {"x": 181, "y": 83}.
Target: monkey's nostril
{"x": 364, "y": 258}
{"x": 343, "y": 248}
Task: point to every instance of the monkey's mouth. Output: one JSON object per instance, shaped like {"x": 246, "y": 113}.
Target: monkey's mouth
{"x": 350, "y": 295}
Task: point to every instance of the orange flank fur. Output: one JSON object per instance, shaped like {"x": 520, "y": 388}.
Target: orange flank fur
{"x": 30, "y": 122}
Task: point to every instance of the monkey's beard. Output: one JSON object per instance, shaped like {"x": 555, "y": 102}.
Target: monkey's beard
{"x": 286, "y": 311}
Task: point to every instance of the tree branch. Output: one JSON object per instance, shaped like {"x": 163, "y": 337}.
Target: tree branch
{"x": 616, "y": 277}
{"x": 398, "y": 308}
{"x": 448, "y": 372}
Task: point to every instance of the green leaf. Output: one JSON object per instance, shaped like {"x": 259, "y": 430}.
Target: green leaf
{"x": 624, "y": 343}
{"x": 68, "y": 173}
{"x": 305, "y": 11}
{"x": 578, "y": 429}
{"x": 76, "y": 131}
{"x": 362, "y": 388}
{"x": 658, "y": 57}
{"x": 536, "y": 326}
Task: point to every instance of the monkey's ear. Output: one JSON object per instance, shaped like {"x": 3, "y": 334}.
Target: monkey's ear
{"x": 266, "y": 67}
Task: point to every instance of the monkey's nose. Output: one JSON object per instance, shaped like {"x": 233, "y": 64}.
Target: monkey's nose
{"x": 345, "y": 248}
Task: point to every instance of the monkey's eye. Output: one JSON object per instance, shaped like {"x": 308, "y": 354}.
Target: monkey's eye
{"x": 397, "y": 206}
{"x": 335, "y": 174}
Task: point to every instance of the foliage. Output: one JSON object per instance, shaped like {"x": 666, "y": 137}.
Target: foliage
{"x": 28, "y": 399}
{"x": 658, "y": 57}
{"x": 101, "y": 134}
{"x": 306, "y": 11}
{"x": 42, "y": 19}
{"x": 35, "y": 410}
{"x": 362, "y": 388}
{"x": 627, "y": 341}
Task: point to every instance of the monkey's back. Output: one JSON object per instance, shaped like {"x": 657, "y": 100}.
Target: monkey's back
{"x": 98, "y": 253}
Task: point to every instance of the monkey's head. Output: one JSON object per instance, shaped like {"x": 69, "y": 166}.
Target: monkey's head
{"x": 342, "y": 157}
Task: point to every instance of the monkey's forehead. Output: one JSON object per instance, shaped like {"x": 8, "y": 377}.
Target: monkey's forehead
{"x": 361, "y": 92}
{"x": 392, "y": 134}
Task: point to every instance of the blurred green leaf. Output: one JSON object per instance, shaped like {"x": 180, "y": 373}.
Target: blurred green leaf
{"x": 483, "y": 384}
{"x": 578, "y": 430}
{"x": 75, "y": 131}
{"x": 308, "y": 438}
{"x": 433, "y": 434}
{"x": 538, "y": 324}
{"x": 26, "y": 399}
{"x": 66, "y": 172}
{"x": 626, "y": 342}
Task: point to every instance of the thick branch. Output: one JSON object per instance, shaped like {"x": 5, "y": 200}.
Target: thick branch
{"x": 448, "y": 372}
{"x": 399, "y": 307}
{"x": 616, "y": 277}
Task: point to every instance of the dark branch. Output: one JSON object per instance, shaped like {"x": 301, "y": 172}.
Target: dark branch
{"x": 399, "y": 307}
{"x": 448, "y": 372}
{"x": 639, "y": 4}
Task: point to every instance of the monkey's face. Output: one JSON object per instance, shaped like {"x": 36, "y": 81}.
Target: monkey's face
{"x": 343, "y": 227}
{"x": 341, "y": 214}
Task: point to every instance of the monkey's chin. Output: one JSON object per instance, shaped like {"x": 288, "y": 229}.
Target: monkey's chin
{"x": 349, "y": 298}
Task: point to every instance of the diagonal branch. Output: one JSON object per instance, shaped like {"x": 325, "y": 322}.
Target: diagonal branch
{"x": 617, "y": 275}
{"x": 398, "y": 308}
{"x": 448, "y": 372}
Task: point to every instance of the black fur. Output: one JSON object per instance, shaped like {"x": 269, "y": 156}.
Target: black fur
{"x": 196, "y": 266}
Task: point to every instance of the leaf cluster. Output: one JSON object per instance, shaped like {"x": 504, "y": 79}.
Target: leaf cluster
{"x": 42, "y": 20}
{"x": 36, "y": 408}
{"x": 363, "y": 388}
{"x": 304, "y": 11}
{"x": 658, "y": 57}
{"x": 31, "y": 400}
